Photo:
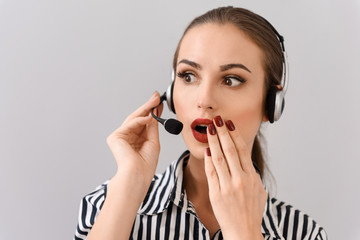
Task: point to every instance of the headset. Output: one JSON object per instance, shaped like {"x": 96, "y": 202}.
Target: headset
{"x": 275, "y": 99}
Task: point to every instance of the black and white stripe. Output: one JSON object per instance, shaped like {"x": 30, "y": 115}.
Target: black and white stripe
{"x": 167, "y": 214}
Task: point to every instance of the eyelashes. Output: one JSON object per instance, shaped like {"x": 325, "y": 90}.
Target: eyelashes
{"x": 186, "y": 76}
{"x": 233, "y": 81}
{"x": 181, "y": 74}
{"x": 227, "y": 80}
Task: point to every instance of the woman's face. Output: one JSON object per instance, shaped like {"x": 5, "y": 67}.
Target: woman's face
{"x": 219, "y": 72}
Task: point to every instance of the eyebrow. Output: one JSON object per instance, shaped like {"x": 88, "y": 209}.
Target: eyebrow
{"x": 222, "y": 67}
{"x": 233, "y": 65}
{"x": 191, "y": 63}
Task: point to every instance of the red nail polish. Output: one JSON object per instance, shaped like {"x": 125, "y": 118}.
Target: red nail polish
{"x": 230, "y": 125}
{"x": 212, "y": 129}
{"x": 218, "y": 121}
{"x": 208, "y": 153}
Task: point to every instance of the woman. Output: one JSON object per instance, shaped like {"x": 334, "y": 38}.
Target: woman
{"x": 228, "y": 66}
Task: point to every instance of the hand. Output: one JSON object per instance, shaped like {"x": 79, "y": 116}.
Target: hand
{"x": 236, "y": 192}
{"x": 135, "y": 144}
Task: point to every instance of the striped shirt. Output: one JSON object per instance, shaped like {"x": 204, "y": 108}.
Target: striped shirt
{"x": 166, "y": 213}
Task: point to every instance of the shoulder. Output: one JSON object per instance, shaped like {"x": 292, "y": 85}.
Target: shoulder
{"x": 97, "y": 196}
{"x": 90, "y": 206}
{"x": 284, "y": 221}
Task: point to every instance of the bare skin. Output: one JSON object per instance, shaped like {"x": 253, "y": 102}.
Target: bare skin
{"x": 135, "y": 146}
{"x": 213, "y": 89}
{"x": 197, "y": 191}
{"x": 227, "y": 178}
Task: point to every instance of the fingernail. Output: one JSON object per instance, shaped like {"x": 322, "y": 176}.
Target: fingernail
{"x": 212, "y": 129}
{"x": 230, "y": 125}
{"x": 218, "y": 121}
{"x": 208, "y": 153}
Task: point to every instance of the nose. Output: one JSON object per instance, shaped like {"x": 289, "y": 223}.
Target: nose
{"x": 206, "y": 96}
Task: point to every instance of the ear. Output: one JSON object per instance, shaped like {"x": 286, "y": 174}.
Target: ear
{"x": 265, "y": 118}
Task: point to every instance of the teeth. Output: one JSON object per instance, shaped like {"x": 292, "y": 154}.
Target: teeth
{"x": 202, "y": 125}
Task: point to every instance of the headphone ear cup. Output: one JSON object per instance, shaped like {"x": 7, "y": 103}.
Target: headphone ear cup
{"x": 279, "y": 105}
{"x": 270, "y": 103}
{"x": 169, "y": 97}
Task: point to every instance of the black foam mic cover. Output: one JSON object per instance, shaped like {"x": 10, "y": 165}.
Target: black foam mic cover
{"x": 173, "y": 126}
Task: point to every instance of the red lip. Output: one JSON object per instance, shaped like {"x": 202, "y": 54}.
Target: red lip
{"x": 201, "y": 137}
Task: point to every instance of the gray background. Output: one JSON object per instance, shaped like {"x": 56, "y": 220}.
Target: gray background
{"x": 72, "y": 70}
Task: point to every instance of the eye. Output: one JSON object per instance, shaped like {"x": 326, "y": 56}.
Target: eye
{"x": 187, "y": 77}
{"x": 233, "y": 81}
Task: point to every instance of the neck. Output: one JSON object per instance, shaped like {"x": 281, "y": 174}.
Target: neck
{"x": 195, "y": 181}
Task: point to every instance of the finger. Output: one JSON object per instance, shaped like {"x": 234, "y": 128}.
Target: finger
{"x": 120, "y": 139}
{"x": 210, "y": 172}
{"x": 159, "y": 110}
{"x": 217, "y": 156}
{"x": 228, "y": 147}
{"x": 241, "y": 147}
{"x": 153, "y": 128}
{"x": 135, "y": 126}
{"x": 151, "y": 148}
{"x": 145, "y": 109}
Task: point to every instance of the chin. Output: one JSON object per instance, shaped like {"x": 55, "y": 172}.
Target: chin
{"x": 198, "y": 153}
{"x": 196, "y": 148}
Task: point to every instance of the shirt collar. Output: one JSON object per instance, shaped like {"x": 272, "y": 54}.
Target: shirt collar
{"x": 177, "y": 195}
{"x": 169, "y": 188}
{"x": 165, "y": 188}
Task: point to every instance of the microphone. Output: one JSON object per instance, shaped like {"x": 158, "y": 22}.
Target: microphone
{"x": 171, "y": 125}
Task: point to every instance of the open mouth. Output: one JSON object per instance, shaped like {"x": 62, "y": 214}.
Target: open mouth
{"x": 201, "y": 128}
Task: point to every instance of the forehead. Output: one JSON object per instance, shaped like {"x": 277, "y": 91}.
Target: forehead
{"x": 217, "y": 44}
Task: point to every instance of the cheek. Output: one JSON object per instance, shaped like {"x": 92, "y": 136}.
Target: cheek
{"x": 247, "y": 118}
{"x": 182, "y": 101}
{"x": 181, "y": 108}
{"x": 178, "y": 104}
{"x": 248, "y": 114}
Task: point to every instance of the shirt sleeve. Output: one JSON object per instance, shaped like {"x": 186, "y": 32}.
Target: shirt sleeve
{"x": 90, "y": 207}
